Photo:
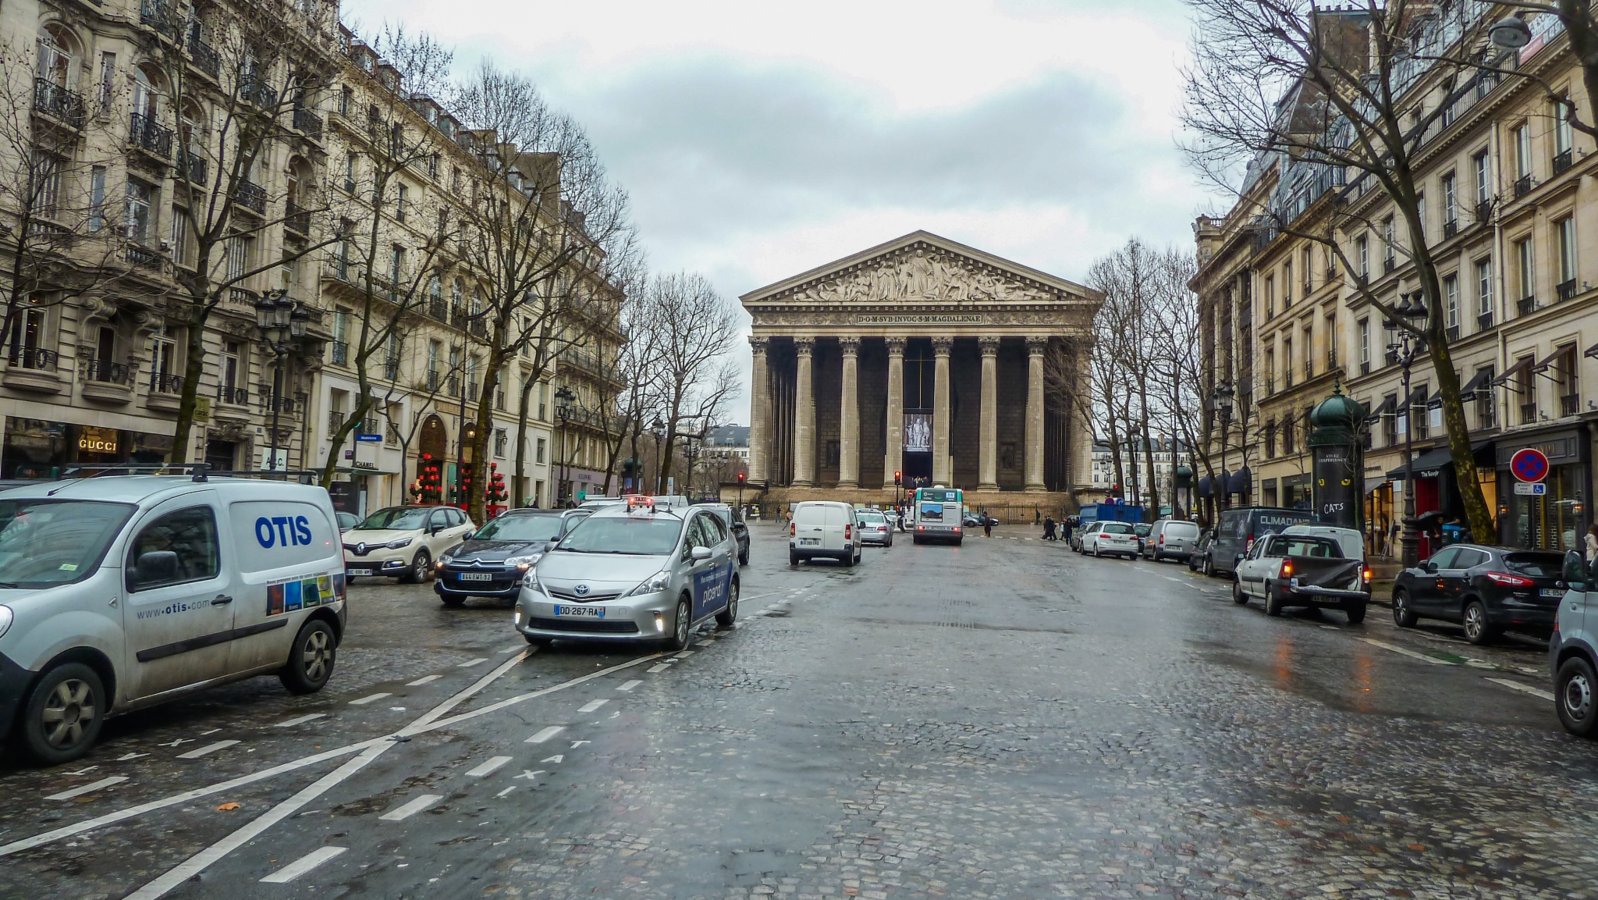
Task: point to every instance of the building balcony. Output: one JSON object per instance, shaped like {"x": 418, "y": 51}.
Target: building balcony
{"x": 1523, "y": 185}
{"x": 340, "y": 353}
{"x": 1365, "y": 367}
{"x": 458, "y": 316}
{"x": 1569, "y": 404}
{"x": 269, "y": 403}
{"x": 165, "y": 392}
{"x": 1389, "y": 263}
{"x": 250, "y": 196}
{"x": 438, "y": 309}
{"x": 64, "y": 106}
{"x": 1450, "y": 228}
{"x": 296, "y": 218}
{"x": 145, "y": 135}
{"x": 391, "y": 368}
{"x": 1525, "y": 305}
{"x": 1562, "y": 162}
{"x": 35, "y": 370}
{"x": 232, "y": 396}
{"x": 1484, "y": 320}
{"x": 157, "y": 14}
{"x": 432, "y": 380}
{"x": 204, "y": 57}
{"x": 142, "y": 257}
{"x": 242, "y": 296}
{"x": 258, "y": 93}
{"x": 194, "y": 168}
{"x": 307, "y": 123}
{"x": 1566, "y": 289}
{"x": 1484, "y": 211}
{"x": 1453, "y": 332}
{"x": 478, "y": 328}
{"x": 105, "y": 381}
{"x": 335, "y": 420}
{"x": 1528, "y": 413}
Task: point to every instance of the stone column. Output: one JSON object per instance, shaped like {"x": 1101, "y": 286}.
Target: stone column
{"x": 1034, "y": 412}
{"x": 988, "y": 459}
{"x": 940, "y": 410}
{"x": 804, "y": 415}
{"x": 894, "y": 461}
{"x": 849, "y": 418}
{"x": 759, "y": 414}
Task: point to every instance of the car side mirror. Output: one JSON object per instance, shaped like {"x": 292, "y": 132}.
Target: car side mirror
{"x": 153, "y": 568}
{"x": 699, "y": 553}
{"x": 468, "y": 535}
{"x": 1429, "y": 567}
{"x": 1574, "y": 573}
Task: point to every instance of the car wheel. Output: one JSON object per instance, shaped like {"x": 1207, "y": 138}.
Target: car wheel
{"x": 1403, "y": 616}
{"x": 63, "y": 714}
{"x": 311, "y": 658}
{"x": 1096, "y": 553}
{"x": 848, "y": 560}
{"x": 1273, "y": 604}
{"x": 1477, "y": 631}
{"x": 1355, "y": 613}
{"x": 726, "y": 617}
{"x": 418, "y": 571}
{"x": 680, "y": 626}
{"x": 452, "y": 601}
{"x": 793, "y": 558}
{"x": 1209, "y": 567}
{"x": 743, "y": 558}
{"x": 1573, "y": 696}
{"x": 1238, "y": 596}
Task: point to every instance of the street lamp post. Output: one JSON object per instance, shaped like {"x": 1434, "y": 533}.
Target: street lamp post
{"x": 1137, "y": 493}
{"x": 1222, "y": 395}
{"x": 658, "y": 429}
{"x": 1405, "y": 349}
{"x": 563, "y": 411}
{"x": 281, "y": 321}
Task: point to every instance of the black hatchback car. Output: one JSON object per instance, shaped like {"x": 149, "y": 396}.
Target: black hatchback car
{"x": 1486, "y": 589}
{"x": 734, "y": 520}
{"x": 493, "y": 559}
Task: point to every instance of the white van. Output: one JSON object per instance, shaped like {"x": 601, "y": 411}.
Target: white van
{"x": 824, "y": 528}
{"x": 123, "y": 592}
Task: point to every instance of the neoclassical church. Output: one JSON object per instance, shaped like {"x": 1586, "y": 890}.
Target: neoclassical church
{"x": 926, "y": 357}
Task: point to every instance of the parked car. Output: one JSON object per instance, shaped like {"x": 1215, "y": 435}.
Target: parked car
{"x": 823, "y": 528}
{"x": 1573, "y": 649}
{"x": 633, "y": 572}
{"x": 1170, "y": 539}
{"x": 734, "y": 521}
{"x": 1198, "y": 558}
{"x": 1112, "y": 538}
{"x": 1238, "y": 529}
{"x": 346, "y": 520}
{"x": 1486, "y": 589}
{"x": 1142, "y": 530}
{"x": 1310, "y": 570}
{"x": 210, "y": 580}
{"x": 875, "y": 528}
{"x": 492, "y": 561}
{"x": 402, "y": 541}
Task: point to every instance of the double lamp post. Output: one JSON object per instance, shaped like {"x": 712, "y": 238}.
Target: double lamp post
{"x": 1404, "y": 350}
{"x": 282, "y": 322}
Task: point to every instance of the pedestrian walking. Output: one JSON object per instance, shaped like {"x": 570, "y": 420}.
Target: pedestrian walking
{"x": 1048, "y": 529}
{"x": 1592, "y": 543}
{"x": 987, "y": 524}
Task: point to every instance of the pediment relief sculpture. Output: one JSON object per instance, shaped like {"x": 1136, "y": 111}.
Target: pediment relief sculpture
{"x": 921, "y": 275}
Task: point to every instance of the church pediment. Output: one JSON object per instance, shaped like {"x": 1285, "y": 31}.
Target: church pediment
{"x": 916, "y": 270}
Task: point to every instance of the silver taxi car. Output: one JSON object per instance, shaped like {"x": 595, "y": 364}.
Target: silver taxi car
{"x": 633, "y": 572}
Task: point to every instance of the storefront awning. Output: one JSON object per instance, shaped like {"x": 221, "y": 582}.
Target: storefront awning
{"x": 1416, "y": 397}
{"x": 1439, "y": 458}
{"x": 1477, "y": 383}
{"x": 1204, "y": 486}
{"x": 1239, "y": 481}
{"x": 1590, "y": 351}
{"x": 1386, "y": 408}
{"x": 1514, "y": 371}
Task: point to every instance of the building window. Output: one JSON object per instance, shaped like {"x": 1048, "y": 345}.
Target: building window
{"x": 1485, "y": 415}
{"x": 1390, "y": 240}
{"x": 1450, "y": 200}
{"x": 1484, "y": 292}
{"x": 1527, "y": 275}
{"x": 1451, "y": 304}
{"x": 1270, "y": 297}
{"x": 240, "y": 250}
{"x": 232, "y": 374}
{"x": 1270, "y": 439}
{"x": 47, "y": 168}
{"x": 1567, "y": 377}
{"x": 1364, "y": 345}
{"x": 163, "y": 355}
{"x": 1418, "y": 240}
{"x": 108, "y": 80}
{"x": 138, "y": 218}
{"x": 1362, "y": 252}
{"x": 1521, "y": 137}
{"x": 1562, "y": 135}
{"x": 1526, "y": 389}
{"x": 1331, "y": 340}
{"x": 1421, "y": 421}
{"x": 501, "y": 441}
{"x": 1484, "y": 188}
{"x": 1308, "y": 266}
{"x": 1390, "y": 423}
{"x": 1567, "y": 255}
{"x": 1287, "y": 284}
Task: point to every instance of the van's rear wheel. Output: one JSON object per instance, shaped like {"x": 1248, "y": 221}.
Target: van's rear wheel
{"x": 311, "y": 658}
{"x": 64, "y": 713}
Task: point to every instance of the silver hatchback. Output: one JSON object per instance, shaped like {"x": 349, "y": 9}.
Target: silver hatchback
{"x": 633, "y": 572}
{"x": 1171, "y": 539}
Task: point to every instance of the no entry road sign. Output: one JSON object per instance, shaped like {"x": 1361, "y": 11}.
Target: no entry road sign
{"x": 1529, "y": 465}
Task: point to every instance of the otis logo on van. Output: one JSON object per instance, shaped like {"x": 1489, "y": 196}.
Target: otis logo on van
{"x": 284, "y": 531}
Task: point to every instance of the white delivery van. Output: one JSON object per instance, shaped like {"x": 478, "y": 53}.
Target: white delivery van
{"x": 824, "y": 528}
{"x": 123, "y": 592}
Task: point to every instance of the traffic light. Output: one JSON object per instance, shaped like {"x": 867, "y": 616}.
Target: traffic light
{"x": 898, "y": 477}
{"x": 742, "y": 477}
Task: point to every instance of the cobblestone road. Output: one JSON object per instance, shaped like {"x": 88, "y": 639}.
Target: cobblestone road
{"x": 1003, "y": 719}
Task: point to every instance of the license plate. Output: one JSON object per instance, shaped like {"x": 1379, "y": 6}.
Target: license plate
{"x": 581, "y": 612}
{"x": 475, "y": 576}
{"x": 1553, "y": 592}
{"x": 809, "y": 542}
{"x": 1292, "y": 582}
{"x": 360, "y": 572}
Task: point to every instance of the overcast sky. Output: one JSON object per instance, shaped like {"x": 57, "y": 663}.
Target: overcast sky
{"x": 758, "y": 140}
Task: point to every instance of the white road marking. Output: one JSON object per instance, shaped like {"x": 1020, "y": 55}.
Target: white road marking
{"x": 1523, "y": 688}
{"x": 425, "y": 723}
{"x": 628, "y": 686}
{"x": 506, "y": 791}
{"x": 473, "y": 662}
{"x": 89, "y": 788}
{"x": 207, "y": 750}
{"x": 576, "y": 744}
{"x": 592, "y": 705}
{"x": 423, "y": 680}
{"x": 127, "y": 756}
{"x": 488, "y": 766}
{"x": 411, "y": 808}
{"x": 370, "y": 698}
{"x": 684, "y": 655}
{"x": 302, "y": 865}
{"x": 544, "y": 734}
{"x": 557, "y": 759}
{"x": 661, "y": 667}
{"x": 209, "y": 732}
{"x": 83, "y": 771}
{"x": 528, "y": 775}
{"x": 1405, "y": 652}
{"x": 300, "y": 720}
{"x": 514, "y": 650}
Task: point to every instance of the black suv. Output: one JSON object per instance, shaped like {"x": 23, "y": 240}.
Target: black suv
{"x": 493, "y": 559}
{"x": 1485, "y": 589}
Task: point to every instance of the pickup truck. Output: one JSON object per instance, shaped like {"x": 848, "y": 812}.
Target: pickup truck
{"x": 1303, "y": 570}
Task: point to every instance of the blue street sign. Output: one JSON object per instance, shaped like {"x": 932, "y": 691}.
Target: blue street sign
{"x": 368, "y": 438}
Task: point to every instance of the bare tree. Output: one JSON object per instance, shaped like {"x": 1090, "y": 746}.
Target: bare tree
{"x": 695, "y": 330}
{"x": 1339, "y": 90}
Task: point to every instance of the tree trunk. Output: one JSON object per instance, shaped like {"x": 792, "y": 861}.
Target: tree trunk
{"x": 193, "y": 370}
{"x": 476, "y": 502}
{"x": 523, "y": 403}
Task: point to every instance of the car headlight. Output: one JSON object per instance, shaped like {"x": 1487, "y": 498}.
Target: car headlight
{"x": 654, "y": 584}
{"x": 400, "y": 544}
{"x": 445, "y": 560}
{"x": 523, "y": 562}
{"x": 531, "y": 581}
{"x": 5, "y": 619}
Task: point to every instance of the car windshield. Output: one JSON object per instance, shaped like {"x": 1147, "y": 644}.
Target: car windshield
{"x": 520, "y": 528}
{"x": 1536, "y": 565}
{"x": 639, "y": 535}
{"x": 1142, "y": 529}
{"x": 46, "y": 542}
{"x": 1115, "y": 528}
{"x": 875, "y": 518}
{"x": 394, "y": 518}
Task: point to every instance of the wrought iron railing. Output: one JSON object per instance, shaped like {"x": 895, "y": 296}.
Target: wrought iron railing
{"x": 149, "y": 136}
{"x": 308, "y": 123}
{"x": 107, "y": 372}
{"x": 296, "y": 218}
{"x": 33, "y": 358}
{"x": 341, "y": 353}
{"x": 235, "y": 396}
{"x": 162, "y": 383}
{"x": 250, "y": 195}
{"x": 204, "y": 56}
{"x": 57, "y": 102}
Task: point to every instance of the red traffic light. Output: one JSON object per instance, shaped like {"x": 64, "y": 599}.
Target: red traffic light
{"x": 741, "y": 477}
{"x": 898, "y": 477}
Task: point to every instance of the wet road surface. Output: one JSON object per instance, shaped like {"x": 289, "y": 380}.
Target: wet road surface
{"x": 996, "y": 720}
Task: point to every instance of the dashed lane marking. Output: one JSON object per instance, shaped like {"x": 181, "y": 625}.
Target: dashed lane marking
{"x": 473, "y": 662}
{"x": 89, "y": 788}
{"x": 628, "y": 686}
{"x": 300, "y": 720}
{"x": 684, "y": 655}
{"x": 370, "y": 698}
{"x": 545, "y": 734}
{"x": 592, "y": 705}
{"x": 506, "y": 791}
{"x": 488, "y": 766}
{"x": 1523, "y": 688}
{"x": 302, "y": 865}
{"x": 410, "y": 809}
{"x": 207, "y": 750}
{"x": 658, "y": 667}
{"x": 1405, "y": 652}
{"x": 423, "y": 680}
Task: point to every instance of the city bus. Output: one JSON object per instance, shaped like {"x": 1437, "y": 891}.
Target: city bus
{"x": 936, "y": 514}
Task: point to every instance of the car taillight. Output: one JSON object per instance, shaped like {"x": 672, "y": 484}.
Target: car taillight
{"x": 848, "y": 531}
{"x": 1250, "y": 545}
{"x": 1508, "y": 580}
{"x": 1365, "y": 574}
{"x": 1162, "y": 540}
{"x": 792, "y": 529}
{"x": 1287, "y": 569}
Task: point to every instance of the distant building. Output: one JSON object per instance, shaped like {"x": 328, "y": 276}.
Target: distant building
{"x": 732, "y": 438}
